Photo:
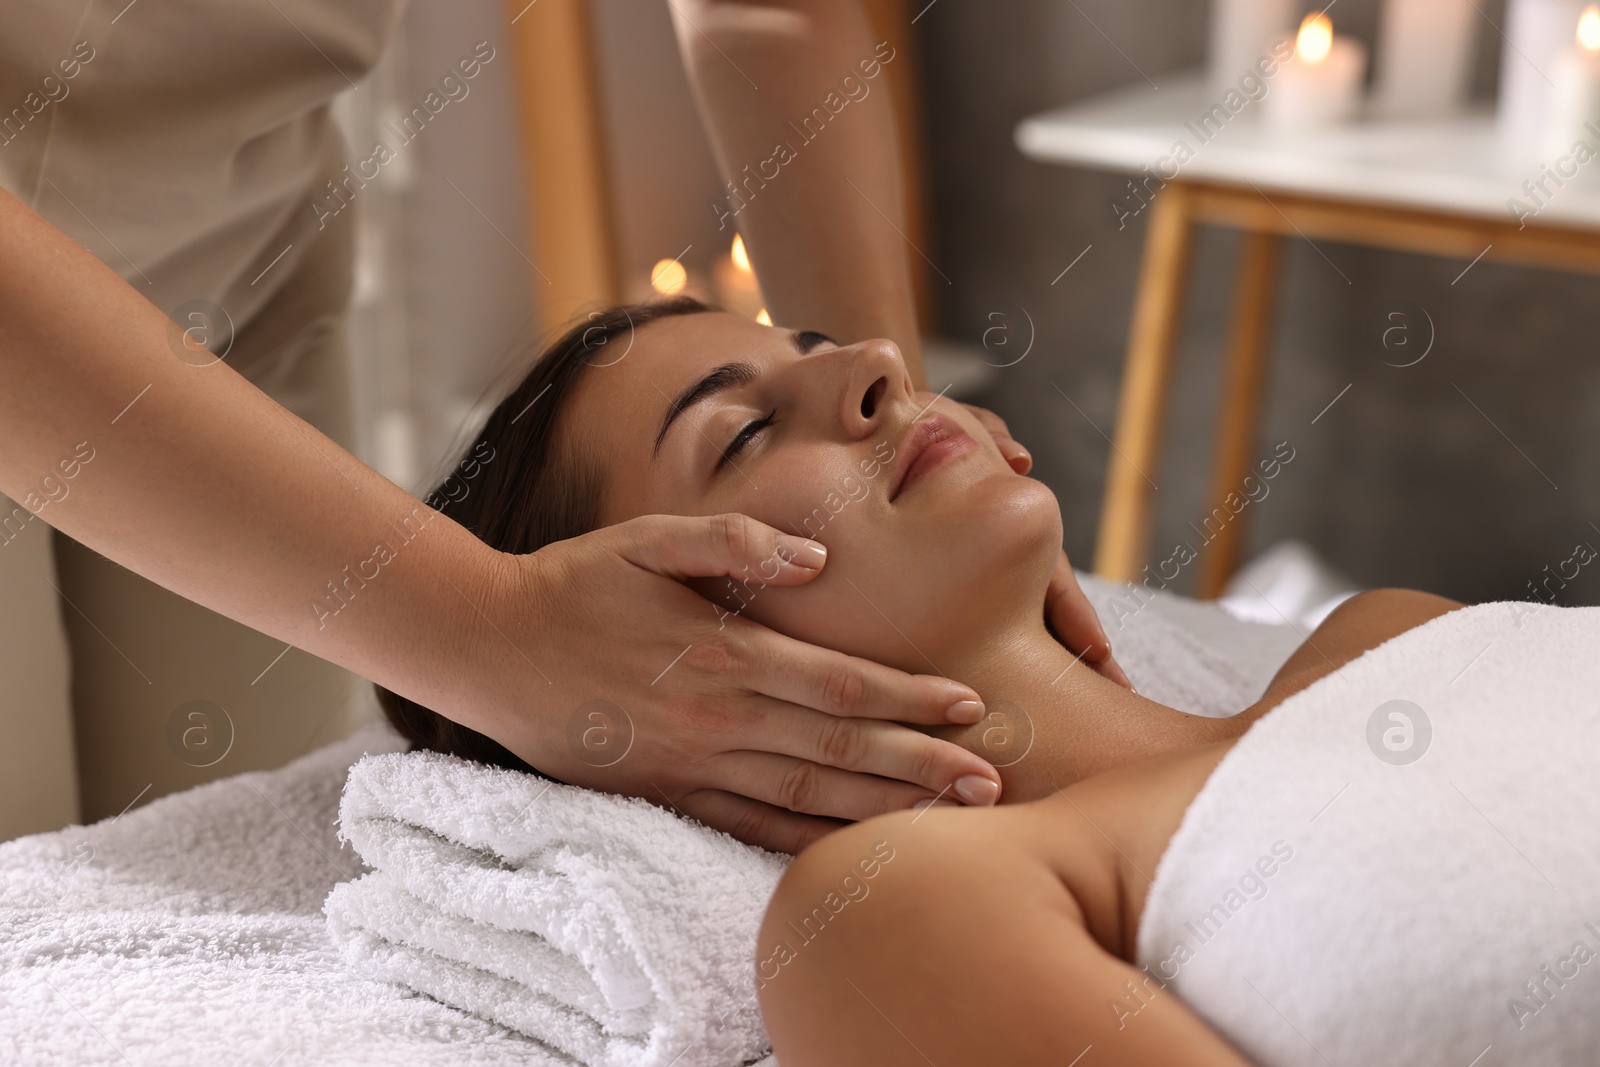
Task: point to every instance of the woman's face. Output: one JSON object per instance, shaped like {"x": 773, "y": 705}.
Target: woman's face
{"x": 931, "y": 537}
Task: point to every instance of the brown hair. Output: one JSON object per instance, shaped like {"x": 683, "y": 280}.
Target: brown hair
{"x": 519, "y": 488}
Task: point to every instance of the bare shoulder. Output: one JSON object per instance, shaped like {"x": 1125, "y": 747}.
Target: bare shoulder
{"x": 1358, "y": 625}
{"x": 976, "y": 934}
{"x": 1392, "y": 608}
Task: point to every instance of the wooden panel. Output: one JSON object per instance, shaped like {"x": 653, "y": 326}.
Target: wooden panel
{"x": 569, "y": 204}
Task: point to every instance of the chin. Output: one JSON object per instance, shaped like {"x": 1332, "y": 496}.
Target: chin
{"x": 1021, "y": 518}
{"x": 987, "y": 567}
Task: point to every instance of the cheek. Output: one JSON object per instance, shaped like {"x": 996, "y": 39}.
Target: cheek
{"x": 830, "y": 611}
{"x": 848, "y": 515}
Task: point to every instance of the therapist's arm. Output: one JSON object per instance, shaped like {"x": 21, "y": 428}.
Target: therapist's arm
{"x": 821, "y": 207}
{"x": 819, "y": 218}
{"x": 195, "y": 479}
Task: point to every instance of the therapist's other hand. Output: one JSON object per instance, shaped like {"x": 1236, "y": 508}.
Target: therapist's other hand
{"x": 776, "y": 741}
{"x": 1066, "y": 607}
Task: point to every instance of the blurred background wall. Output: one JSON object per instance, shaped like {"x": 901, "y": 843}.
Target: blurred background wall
{"x": 1403, "y": 482}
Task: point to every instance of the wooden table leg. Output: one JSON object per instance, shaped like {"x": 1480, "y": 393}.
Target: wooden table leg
{"x": 1127, "y": 511}
{"x": 1239, "y": 414}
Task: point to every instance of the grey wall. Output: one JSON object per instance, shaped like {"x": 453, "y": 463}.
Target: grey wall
{"x": 1403, "y": 482}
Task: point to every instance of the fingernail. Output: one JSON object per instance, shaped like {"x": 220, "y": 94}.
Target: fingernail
{"x": 965, "y": 712}
{"x": 803, "y": 553}
{"x": 976, "y": 790}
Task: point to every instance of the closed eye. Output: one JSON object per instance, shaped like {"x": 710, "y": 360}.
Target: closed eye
{"x": 806, "y": 340}
{"x": 743, "y": 438}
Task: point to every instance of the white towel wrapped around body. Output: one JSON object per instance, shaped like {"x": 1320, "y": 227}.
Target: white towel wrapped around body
{"x": 1366, "y": 881}
{"x": 611, "y": 929}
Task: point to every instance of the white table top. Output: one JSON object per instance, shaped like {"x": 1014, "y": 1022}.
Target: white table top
{"x": 1457, "y": 164}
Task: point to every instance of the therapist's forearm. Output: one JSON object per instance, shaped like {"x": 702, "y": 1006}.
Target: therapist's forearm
{"x": 821, "y": 208}
{"x": 200, "y": 482}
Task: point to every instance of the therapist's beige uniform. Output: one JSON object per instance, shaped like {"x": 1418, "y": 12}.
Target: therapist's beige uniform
{"x": 186, "y": 154}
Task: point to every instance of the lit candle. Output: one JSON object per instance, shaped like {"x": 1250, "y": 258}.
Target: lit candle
{"x": 1424, "y": 57}
{"x": 1537, "y": 31}
{"x": 668, "y": 277}
{"x": 1321, "y": 85}
{"x": 1575, "y": 98}
{"x": 735, "y": 282}
{"x": 1242, "y": 31}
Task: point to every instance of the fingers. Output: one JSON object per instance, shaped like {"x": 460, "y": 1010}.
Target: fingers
{"x": 1011, "y": 449}
{"x": 737, "y": 546}
{"x": 1078, "y": 625}
{"x": 789, "y": 670}
{"x": 755, "y": 823}
{"x": 889, "y": 751}
{"x": 807, "y": 788}
{"x": 895, "y": 754}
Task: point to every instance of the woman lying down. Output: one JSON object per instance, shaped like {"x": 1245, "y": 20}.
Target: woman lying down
{"x": 1391, "y": 857}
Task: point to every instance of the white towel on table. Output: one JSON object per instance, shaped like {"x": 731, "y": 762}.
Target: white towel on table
{"x": 1189, "y": 654}
{"x": 1326, "y": 901}
{"x": 604, "y": 926}
{"x": 189, "y": 930}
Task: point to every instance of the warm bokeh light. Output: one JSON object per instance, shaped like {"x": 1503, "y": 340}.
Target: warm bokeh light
{"x": 741, "y": 258}
{"x": 763, "y": 318}
{"x": 1315, "y": 39}
{"x": 668, "y": 277}
{"x": 1589, "y": 29}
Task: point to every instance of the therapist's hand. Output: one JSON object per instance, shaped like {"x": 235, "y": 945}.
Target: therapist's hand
{"x": 771, "y": 739}
{"x": 1066, "y": 607}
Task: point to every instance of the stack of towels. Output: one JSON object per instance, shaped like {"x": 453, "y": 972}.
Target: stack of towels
{"x": 607, "y": 928}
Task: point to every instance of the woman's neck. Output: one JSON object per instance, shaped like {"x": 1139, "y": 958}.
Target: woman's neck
{"x": 1052, "y": 720}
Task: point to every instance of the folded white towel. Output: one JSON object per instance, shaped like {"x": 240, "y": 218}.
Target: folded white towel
{"x": 604, "y": 926}
{"x": 1401, "y": 863}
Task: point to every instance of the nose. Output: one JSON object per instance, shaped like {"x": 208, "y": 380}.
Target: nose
{"x": 874, "y": 382}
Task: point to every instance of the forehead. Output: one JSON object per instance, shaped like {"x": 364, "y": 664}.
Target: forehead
{"x": 642, "y": 372}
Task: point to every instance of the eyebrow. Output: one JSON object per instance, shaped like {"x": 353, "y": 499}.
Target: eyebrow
{"x": 729, "y": 376}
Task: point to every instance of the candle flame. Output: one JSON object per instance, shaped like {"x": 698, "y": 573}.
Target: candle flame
{"x": 668, "y": 277}
{"x": 1589, "y": 29}
{"x": 763, "y": 318}
{"x": 1315, "y": 39}
{"x": 741, "y": 258}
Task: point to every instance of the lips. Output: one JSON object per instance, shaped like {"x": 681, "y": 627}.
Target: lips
{"x": 931, "y": 441}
